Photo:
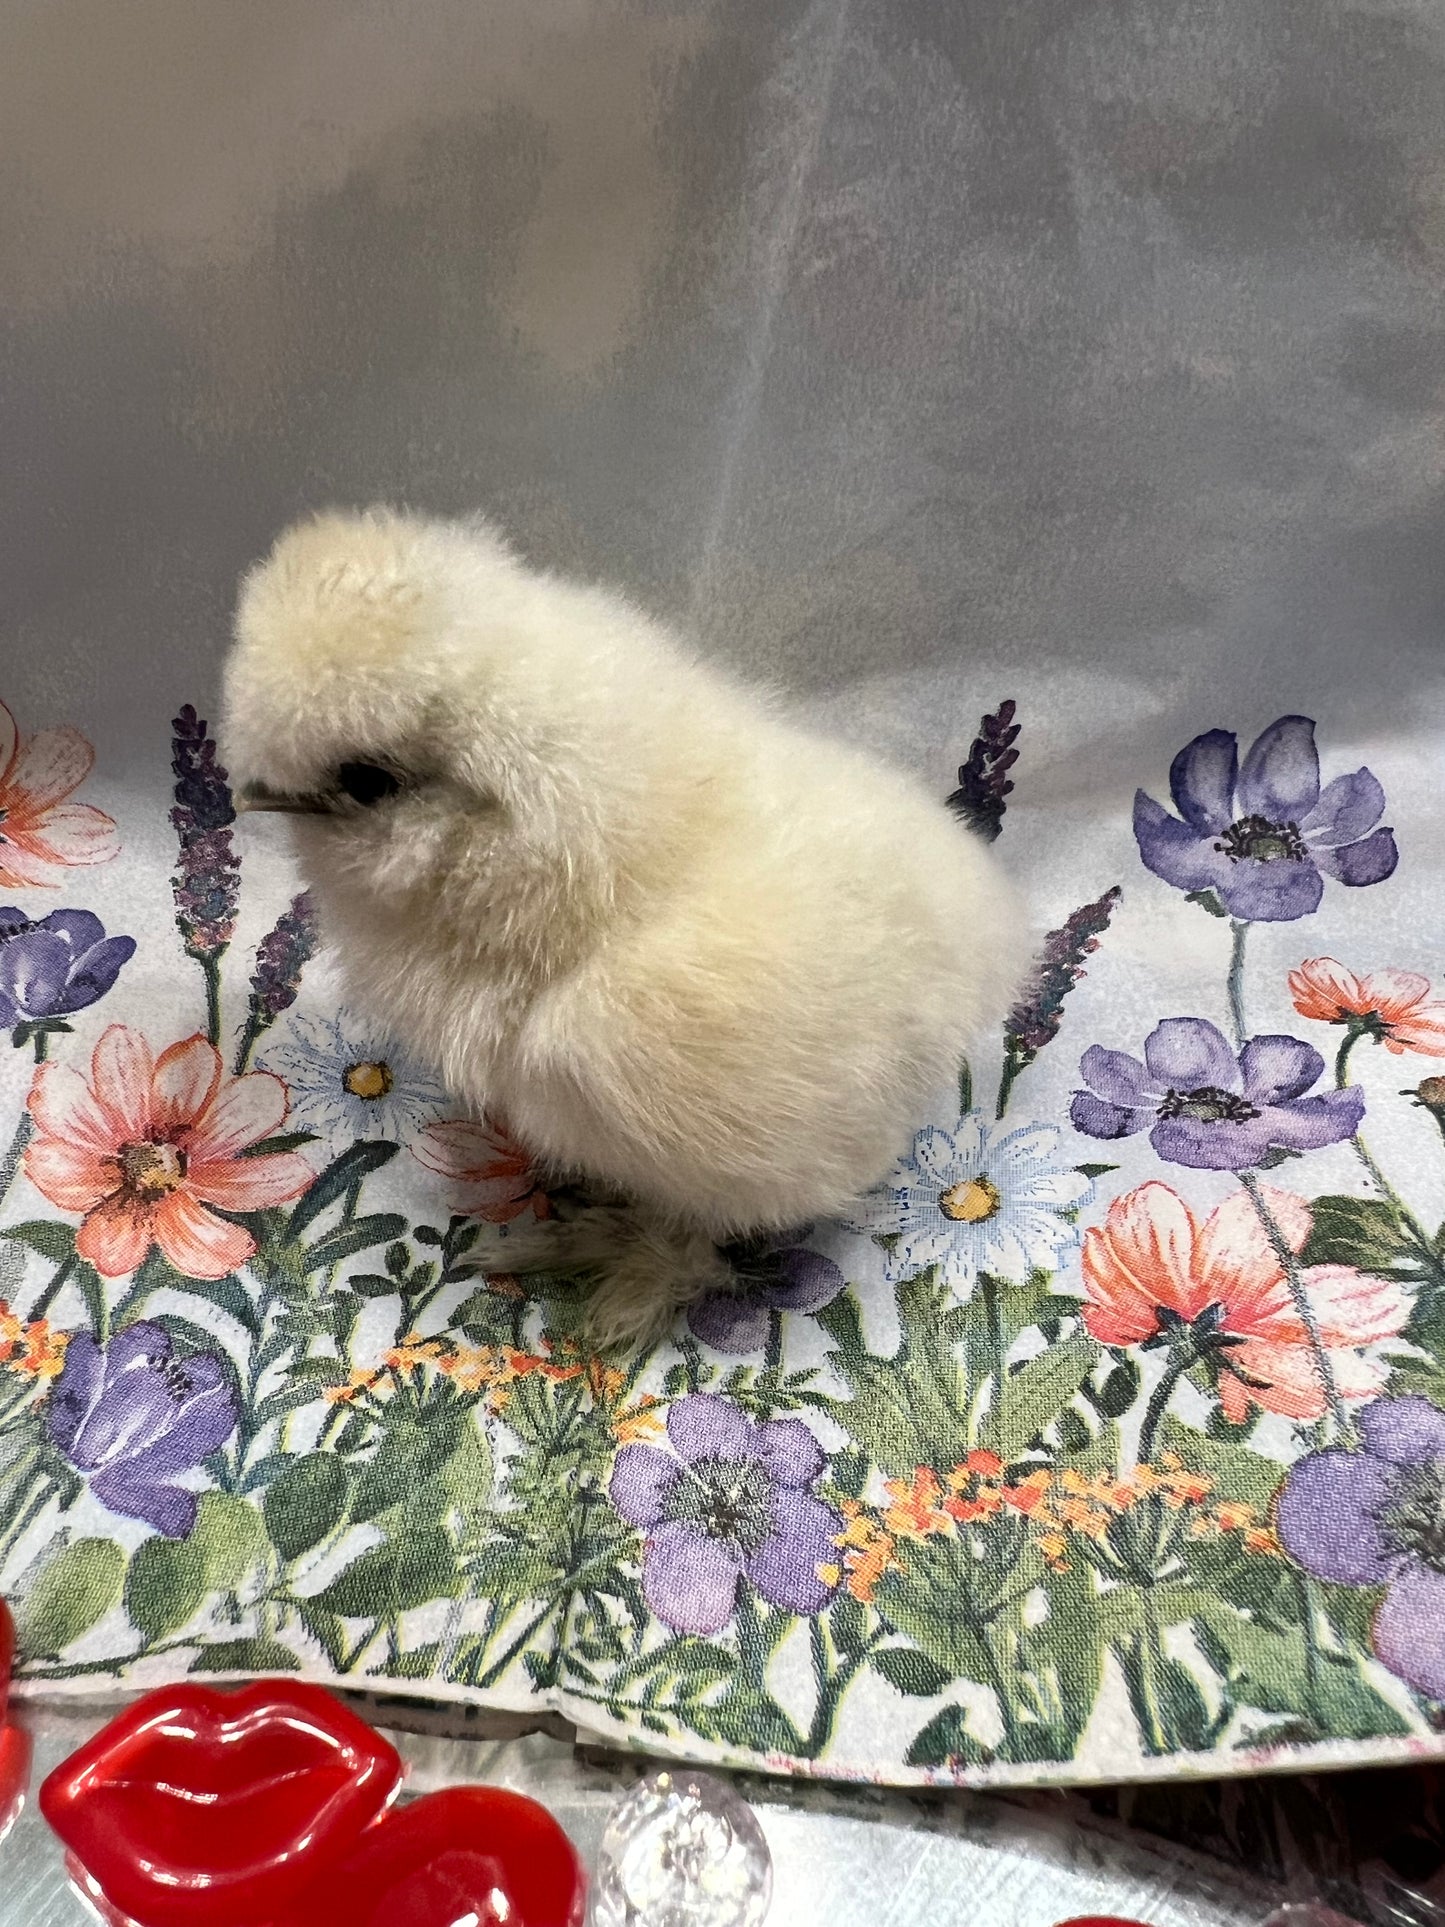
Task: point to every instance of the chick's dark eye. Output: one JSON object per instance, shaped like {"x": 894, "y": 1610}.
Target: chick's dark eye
{"x": 366, "y": 783}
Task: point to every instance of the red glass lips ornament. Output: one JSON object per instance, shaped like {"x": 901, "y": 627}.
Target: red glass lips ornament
{"x": 473, "y": 1854}
{"x": 203, "y": 1808}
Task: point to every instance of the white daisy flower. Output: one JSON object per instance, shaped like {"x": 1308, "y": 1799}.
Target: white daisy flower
{"x": 979, "y": 1199}
{"x": 345, "y": 1080}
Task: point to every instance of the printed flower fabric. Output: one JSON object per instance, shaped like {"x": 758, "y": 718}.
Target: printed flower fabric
{"x": 1107, "y": 1439}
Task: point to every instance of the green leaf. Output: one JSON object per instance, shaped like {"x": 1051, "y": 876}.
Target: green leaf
{"x": 71, "y": 1593}
{"x": 1034, "y": 1395}
{"x": 946, "y": 1739}
{"x": 1363, "y": 1232}
{"x": 394, "y": 1576}
{"x": 1095, "y": 1170}
{"x": 907, "y": 1410}
{"x": 228, "y": 1536}
{"x": 1238, "y": 1473}
{"x": 1168, "y": 1705}
{"x": 1268, "y": 1667}
{"x": 1207, "y": 901}
{"x": 937, "y": 1570}
{"x": 402, "y": 1462}
{"x": 355, "y": 1163}
{"x": 53, "y": 1241}
{"x": 321, "y": 1371}
{"x": 848, "y": 1621}
{"x": 164, "y": 1586}
{"x": 909, "y": 1672}
{"x": 1118, "y": 1391}
{"x": 371, "y": 1284}
{"x": 306, "y": 1503}
{"x": 348, "y": 1239}
{"x": 246, "y": 1656}
{"x": 466, "y": 1477}
{"x": 286, "y": 1141}
{"x": 326, "y": 1629}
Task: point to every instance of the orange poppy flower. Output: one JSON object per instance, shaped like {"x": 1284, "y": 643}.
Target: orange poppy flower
{"x": 1153, "y": 1255}
{"x": 149, "y": 1143}
{"x": 41, "y": 834}
{"x": 1393, "y": 1006}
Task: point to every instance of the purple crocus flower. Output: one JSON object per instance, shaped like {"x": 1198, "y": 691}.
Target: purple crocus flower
{"x": 1263, "y": 836}
{"x": 790, "y": 1278}
{"x": 130, "y": 1417}
{"x": 1209, "y": 1107}
{"x": 1377, "y": 1518}
{"x": 61, "y": 964}
{"x": 729, "y": 1501}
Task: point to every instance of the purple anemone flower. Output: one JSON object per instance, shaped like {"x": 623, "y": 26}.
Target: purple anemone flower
{"x": 1263, "y": 836}
{"x": 1377, "y": 1518}
{"x": 1209, "y": 1107}
{"x": 130, "y": 1417}
{"x": 61, "y": 964}
{"x": 790, "y": 1278}
{"x": 730, "y": 1500}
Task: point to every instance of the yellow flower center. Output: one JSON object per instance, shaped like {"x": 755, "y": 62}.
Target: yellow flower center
{"x": 972, "y": 1201}
{"x": 152, "y": 1169}
{"x": 370, "y": 1080}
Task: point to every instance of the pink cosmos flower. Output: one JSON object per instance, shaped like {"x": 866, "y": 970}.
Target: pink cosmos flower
{"x": 41, "y": 835}
{"x": 494, "y": 1173}
{"x": 149, "y": 1143}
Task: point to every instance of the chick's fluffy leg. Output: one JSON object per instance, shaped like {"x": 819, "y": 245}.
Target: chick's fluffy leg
{"x": 661, "y": 1266}
{"x": 646, "y": 1267}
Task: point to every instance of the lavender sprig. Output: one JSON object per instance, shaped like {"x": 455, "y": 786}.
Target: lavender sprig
{"x": 983, "y": 781}
{"x": 281, "y": 956}
{"x": 207, "y": 879}
{"x": 1035, "y": 1019}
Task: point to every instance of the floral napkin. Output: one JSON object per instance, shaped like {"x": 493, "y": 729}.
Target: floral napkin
{"x": 1108, "y": 1441}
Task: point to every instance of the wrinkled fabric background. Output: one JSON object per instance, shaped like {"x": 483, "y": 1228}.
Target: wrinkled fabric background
{"x": 914, "y": 354}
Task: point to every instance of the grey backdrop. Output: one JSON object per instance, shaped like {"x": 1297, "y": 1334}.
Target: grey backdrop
{"x": 916, "y": 351}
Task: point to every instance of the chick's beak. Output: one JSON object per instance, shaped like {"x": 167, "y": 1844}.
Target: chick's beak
{"x": 256, "y": 796}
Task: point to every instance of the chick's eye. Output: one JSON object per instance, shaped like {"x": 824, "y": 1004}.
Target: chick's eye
{"x": 366, "y": 783}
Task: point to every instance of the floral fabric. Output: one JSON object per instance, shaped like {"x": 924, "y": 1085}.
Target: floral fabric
{"x": 1108, "y": 1439}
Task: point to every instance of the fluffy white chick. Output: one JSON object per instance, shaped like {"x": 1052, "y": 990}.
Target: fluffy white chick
{"x": 682, "y": 947}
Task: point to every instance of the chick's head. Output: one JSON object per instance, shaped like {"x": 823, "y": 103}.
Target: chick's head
{"x": 370, "y": 695}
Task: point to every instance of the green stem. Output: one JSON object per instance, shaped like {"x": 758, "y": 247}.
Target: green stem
{"x": 1240, "y": 932}
{"x": 996, "y": 1681}
{"x": 1158, "y": 1404}
{"x": 1157, "y": 1738}
{"x": 24, "y": 1129}
{"x": 1419, "y": 1236}
{"x": 1342, "y": 1057}
{"x": 832, "y": 1686}
{"x": 533, "y": 1626}
{"x": 1289, "y": 1264}
{"x": 1306, "y": 1585}
{"x": 965, "y": 1088}
{"x": 52, "y": 1290}
{"x": 993, "y": 1318}
{"x": 39, "y": 1498}
{"x": 210, "y": 964}
{"x": 773, "y": 1356}
{"x": 1011, "y": 1068}
{"x": 250, "y": 1036}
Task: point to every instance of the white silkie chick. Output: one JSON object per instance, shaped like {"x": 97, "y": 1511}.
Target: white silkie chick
{"x": 682, "y": 948}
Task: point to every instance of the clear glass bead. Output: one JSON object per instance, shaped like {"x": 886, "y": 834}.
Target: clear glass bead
{"x": 682, "y": 1850}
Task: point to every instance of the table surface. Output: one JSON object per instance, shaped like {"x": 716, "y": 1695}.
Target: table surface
{"x": 847, "y": 1857}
